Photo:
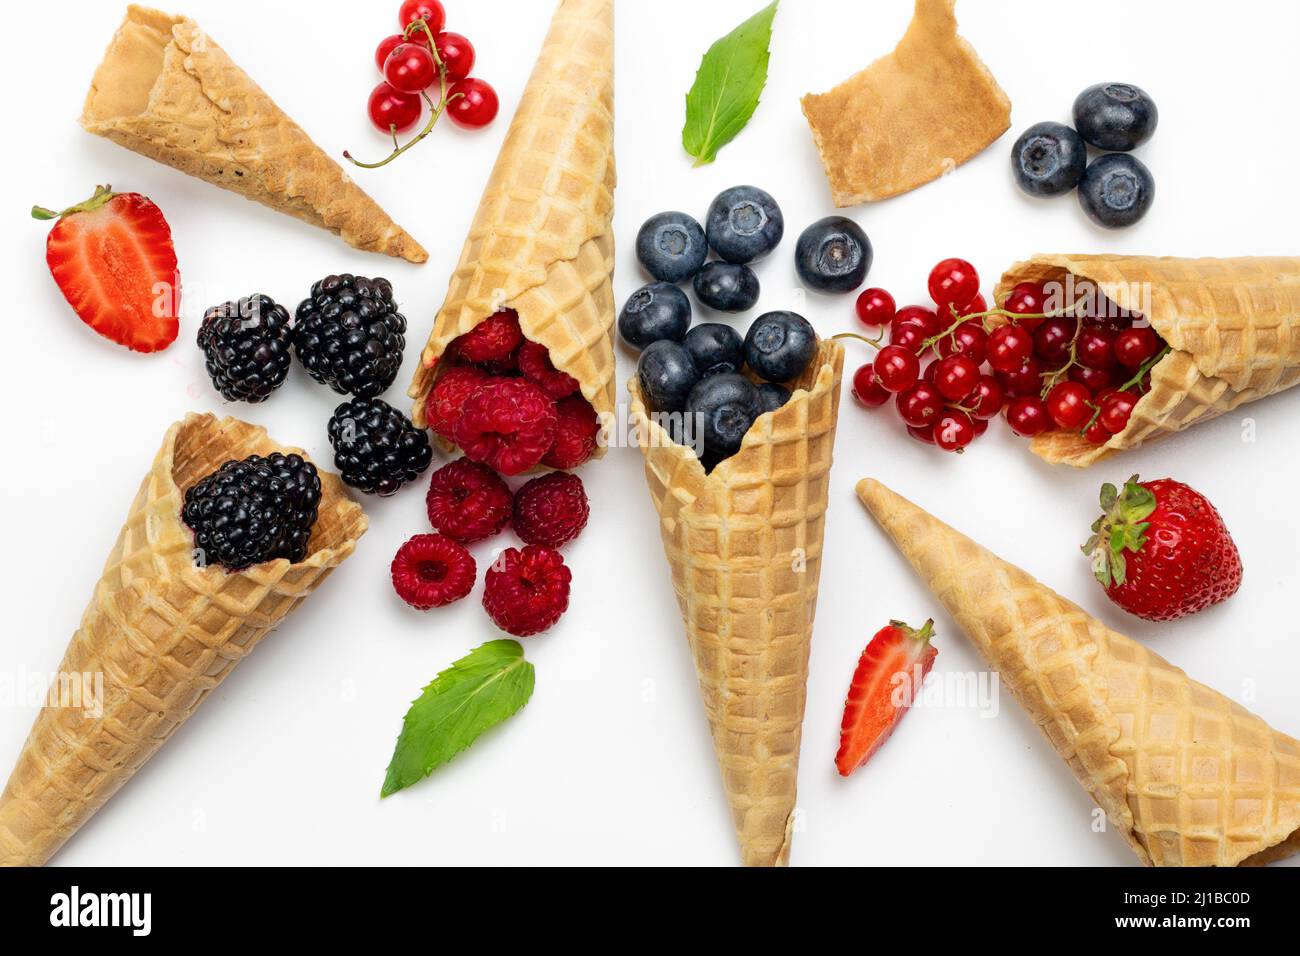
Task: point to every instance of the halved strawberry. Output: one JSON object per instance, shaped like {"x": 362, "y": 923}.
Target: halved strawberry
{"x": 112, "y": 257}
{"x": 887, "y": 680}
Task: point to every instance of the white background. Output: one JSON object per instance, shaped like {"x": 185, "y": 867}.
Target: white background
{"x": 611, "y": 762}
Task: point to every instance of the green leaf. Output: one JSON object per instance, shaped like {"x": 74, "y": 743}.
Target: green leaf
{"x": 1118, "y": 568}
{"x": 1108, "y": 496}
{"x": 480, "y": 690}
{"x": 727, "y": 87}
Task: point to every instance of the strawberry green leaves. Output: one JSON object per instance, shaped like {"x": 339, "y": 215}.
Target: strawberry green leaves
{"x": 1121, "y": 528}
{"x": 727, "y": 87}
{"x": 476, "y": 693}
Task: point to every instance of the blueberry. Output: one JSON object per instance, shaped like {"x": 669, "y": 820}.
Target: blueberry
{"x": 671, "y": 246}
{"x": 833, "y": 255}
{"x": 1117, "y": 190}
{"x": 744, "y": 223}
{"x": 772, "y": 396}
{"x": 715, "y": 348}
{"x": 1048, "y": 159}
{"x": 779, "y": 346}
{"x": 726, "y": 286}
{"x": 656, "y": 311}
{"x": 1115, "y": 115}
{"x": 725, "y": 406}
{"x": 667, "y": 375}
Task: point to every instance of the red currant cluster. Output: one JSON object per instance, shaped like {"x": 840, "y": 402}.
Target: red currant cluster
{"x": 1080, "y": 368}
{"x": 419, "y": 58}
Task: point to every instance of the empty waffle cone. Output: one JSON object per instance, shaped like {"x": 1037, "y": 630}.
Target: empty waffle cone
{"x": 1233, "y": 326}
{"x": 163, "y": 633}
{"x": 542, "y": 242}
{"x": 1187, "y": 776}
{"x": 166, "y": 90}
{"x": 745, "y": 546}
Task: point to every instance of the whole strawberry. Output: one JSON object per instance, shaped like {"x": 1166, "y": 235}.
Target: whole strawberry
{"x": 1161, "y": 550}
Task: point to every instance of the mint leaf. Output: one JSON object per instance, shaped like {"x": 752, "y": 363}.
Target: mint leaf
{"x": 727, "y": 86}
{"x": 480, "y": 690}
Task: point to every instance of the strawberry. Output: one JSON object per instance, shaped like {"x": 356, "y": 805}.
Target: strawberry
{"x": 113, "y": 259}
{"x": 887, "y": 679}
{"x": 1161, "y": 550}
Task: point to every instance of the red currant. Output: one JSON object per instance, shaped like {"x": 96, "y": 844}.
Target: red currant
{"x": 920, "y": 405}
{"x": 909, "y": 336}
{"x": 1096, "y": 347}
{"x": 875, "y": 307}
{"x": 955, "y": 377}
{"x": 410, "y": 68}
{"x": 457, "y": 55}
{"x": 953, "y": 283}
{"x": 897, "y": 368}
{"x": 386, "y": 47}
{"x": 1068, "y": 404}
{"x": 1026, "y": 380}
{"x": 926, "y": 319}
{"x": 475, "y": 104}
{"x": 430, "y": 11}
{"x": 1027, "y": 298}
{"x": 981, "y": 425}
{"x": 1052, "y": 340}
{"x": 1135, "y": 346}
{"x": 1116, "y": 410}
{"x": 391, "y": 108}
{"x": 976, "y": 305}
{"x": 1093, "y": 379}
{"x": 1009, "y": 347}
{"x": 985, "y": 399}
{"x": 866, "y": 387}
{"x": 924, "y": 433}
{"x": 953, "y": 431}
{"x": 928, "y": 374}
{"x": 1097, "y": 433}
{"x": 1027, "y": 416}
{"x": 968, "y": 339}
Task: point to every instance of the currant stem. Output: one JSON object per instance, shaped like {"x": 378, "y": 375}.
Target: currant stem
{"x": 1140, "y": 374}
{"x": 874, "y": 343}
{"x": 435, "y": 111}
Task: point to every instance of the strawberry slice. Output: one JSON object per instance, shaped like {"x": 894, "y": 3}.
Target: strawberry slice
{"x": 113, "y": 259}
{"x": 887, "y": 679}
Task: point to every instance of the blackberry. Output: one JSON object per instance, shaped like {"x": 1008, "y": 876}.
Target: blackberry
{"x": 254, "y": 510}
{"x": 376, "y": 448}
{"x": 349, "y": 334}
{"x": 246, "y": 344}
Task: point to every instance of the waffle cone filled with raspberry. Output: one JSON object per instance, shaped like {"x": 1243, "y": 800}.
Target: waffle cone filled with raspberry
{"x": 1233, "y": 327}
{"x": 745, "y": 546}
{"x": 1187, "y": 776}
{"x": 166, "y": 90}
{"x": 163, "y": 632}
{"x": 541, "y": 246}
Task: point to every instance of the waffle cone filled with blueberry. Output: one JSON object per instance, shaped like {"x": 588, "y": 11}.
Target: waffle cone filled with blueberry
{"x": 744, "y": 541}
{"x": 530, "y": 307}
{"x": 228, "y": 533}
{"x": 1228, "y": 332}
{"x": 1187, "y": 776}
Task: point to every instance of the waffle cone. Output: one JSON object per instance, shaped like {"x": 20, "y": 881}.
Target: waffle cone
{"x": 1188, "y": 777}
{"x": 542, "y": 240}
{"x": 1233, "y": 326}
{"x": 166, "y": 90}
{"x": 163, "y": 633}
{"x": 745, "y": 546}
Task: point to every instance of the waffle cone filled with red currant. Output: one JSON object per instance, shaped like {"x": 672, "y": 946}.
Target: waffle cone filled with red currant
{"x": 1206, "y": 336}
{"x": 531, "y": 299}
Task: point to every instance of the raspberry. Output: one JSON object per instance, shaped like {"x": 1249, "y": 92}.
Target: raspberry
{"x": 492, "y": 340}
{"x": 431, "y": 570}
{"x": 576, "y": 428}
{"x": 468, "y": 501}
{"x": 443, "y": 405}
{"x": 508, "y": 425}
{"x": 551, "y": 510}
{"x": 526, "y": 590}
{"x": 535, "y": 364}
